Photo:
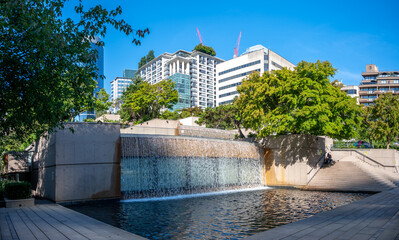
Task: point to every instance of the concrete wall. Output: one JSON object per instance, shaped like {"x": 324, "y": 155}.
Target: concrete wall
{"x": 79, "y": 165}
{"x": 292, "y": 160}
{"x": 388, "y": 158}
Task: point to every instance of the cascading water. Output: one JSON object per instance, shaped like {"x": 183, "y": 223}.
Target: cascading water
{"x": 157, "y": 166}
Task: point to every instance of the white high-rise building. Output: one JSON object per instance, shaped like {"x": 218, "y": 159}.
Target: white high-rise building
{"x": 255, "y": 59}
{"x": 118, "y": 86}
{"x": 193, "y": 72}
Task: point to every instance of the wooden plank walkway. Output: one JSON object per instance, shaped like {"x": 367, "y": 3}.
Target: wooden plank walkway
{"x": 375, "y": 217}
{"x": 52, "y": 221}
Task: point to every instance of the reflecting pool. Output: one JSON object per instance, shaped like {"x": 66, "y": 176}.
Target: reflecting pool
{"x": 225, "y": 216}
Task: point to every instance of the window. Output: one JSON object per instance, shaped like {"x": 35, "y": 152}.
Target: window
{"x": 239, "y": 67}
{"x": 226, "y": 102}
{"x": 230, "y": 86}
{"x": 238, "y": 75}
{"x": 228, "y": 94}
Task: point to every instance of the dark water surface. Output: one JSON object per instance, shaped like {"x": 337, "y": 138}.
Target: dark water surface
{"x": 227, "y": 216}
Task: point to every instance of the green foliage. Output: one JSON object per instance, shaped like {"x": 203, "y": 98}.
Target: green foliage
{"x": 89, "y": 120}
{"x": 383, "y": 120}
{"x": 205, "y": 49}
{"x": 222, "y": 117}
{"x": 17, "y": 190}
{"x": 47, "y": 64}
{"x": 146, "y": 59}
{"x": 302, "y": 101}
{"x": 3, "y": 183}
{"x": 101, "y": 103}
{"x": 143, "y": 102}
{"x": 183, "y": 113}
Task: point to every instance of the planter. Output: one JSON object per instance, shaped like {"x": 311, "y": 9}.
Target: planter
{"x": 17, "y": 203}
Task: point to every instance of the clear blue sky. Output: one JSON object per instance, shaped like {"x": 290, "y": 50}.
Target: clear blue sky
{"x": 349, "y": 34}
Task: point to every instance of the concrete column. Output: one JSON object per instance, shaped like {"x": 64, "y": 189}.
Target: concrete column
{"x": 170, "y": 69}
{"x": 188, "y": 68}
{"x": 178, "y": 66}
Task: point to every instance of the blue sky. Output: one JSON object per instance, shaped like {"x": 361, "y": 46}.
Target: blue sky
{"x": 349, "y": 34}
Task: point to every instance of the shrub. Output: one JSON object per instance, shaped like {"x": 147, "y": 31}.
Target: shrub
{"x": 17, "y": 190}
{"x": 2, "y": 186}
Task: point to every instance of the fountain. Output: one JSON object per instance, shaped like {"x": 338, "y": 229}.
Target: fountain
{"x": 158, "y": 166}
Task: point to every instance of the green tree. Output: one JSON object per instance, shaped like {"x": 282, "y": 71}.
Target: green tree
{"x": 146, "y": 102}
{"x": 183, "y": 113}
{"x": 302, "y": 101}
{"x": 142, "y": 62}
{"x": 101, "y": 103}
{"x": 146, "y": 59}
{"x": 205, "y": 49}
{"x": 222, "y": 117}
{"x": 47, "y": 65}
{"x": 384, "y": 123}
{"x": 150, "y": 56}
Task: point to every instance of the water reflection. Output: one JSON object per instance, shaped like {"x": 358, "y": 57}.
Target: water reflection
{"x": 229, "y": 216}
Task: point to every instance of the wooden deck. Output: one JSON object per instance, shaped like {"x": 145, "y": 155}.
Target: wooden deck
{"x": 375, "y": 217}
{"x": 52, "y": 221}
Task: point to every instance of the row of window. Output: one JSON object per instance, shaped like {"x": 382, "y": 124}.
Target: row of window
{"x": 351, "y": 91}
{"x": 230, "y": 86}
{"x": 277, "y": 65}
{"x": 228, "y": 94}
{"x": 238, "y": 75}
{"x": 239, "y": 67}
{"x": 226, "y": 102}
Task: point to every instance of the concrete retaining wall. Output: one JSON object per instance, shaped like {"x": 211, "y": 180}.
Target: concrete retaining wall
{"x": 293, "y": 160}
{"x": 83, "y": 165}
{"x": 387, "y": 159}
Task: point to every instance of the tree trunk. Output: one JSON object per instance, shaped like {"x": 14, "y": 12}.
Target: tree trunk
{"x": 239, "y": 129}
{"x": 388, "y": 143}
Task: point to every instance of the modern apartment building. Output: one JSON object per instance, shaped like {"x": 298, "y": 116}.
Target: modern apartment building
{"x": 352, "y": 91}
{"x": 375, "y": 83}
{"x": 193, "y": 72}
{"x": 255, "y": 59}
{"x": 118, "y": 85}
{"x": 99, "y": 80}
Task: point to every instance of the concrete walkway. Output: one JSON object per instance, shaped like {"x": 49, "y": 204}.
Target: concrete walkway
{"x": 375, "y": 217}
{"x": 52, "y": 221}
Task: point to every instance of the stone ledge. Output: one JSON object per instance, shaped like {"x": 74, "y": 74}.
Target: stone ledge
{"x": 17, "y": 203}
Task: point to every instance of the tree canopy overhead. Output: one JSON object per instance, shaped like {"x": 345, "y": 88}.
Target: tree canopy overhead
{"x": 205, "y": 49}
{"x": 47, "y": 65}
{"x": 302, "y": 101}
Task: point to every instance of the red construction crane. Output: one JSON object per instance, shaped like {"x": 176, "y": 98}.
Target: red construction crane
{"x": 199, "y": 35}
{"x": 238, "y": 46}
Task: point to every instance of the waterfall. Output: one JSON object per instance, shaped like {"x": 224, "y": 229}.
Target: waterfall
{"x": 156, "y": 166}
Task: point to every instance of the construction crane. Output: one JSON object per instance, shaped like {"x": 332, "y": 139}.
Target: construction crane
{"x": 199, "y": 35}
{"x": 238, "y": 46}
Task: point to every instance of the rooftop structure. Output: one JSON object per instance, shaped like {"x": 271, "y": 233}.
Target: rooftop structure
{"x": 376, "y": 83}
{"x": 255, "y": 59}
{"x": 352, "y": 91}
{"x": 193, "y": 72}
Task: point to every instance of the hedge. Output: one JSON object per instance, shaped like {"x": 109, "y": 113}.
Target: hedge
{"x": 17, "y": 190}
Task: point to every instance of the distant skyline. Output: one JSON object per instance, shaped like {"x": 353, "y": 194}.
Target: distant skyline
{"x": 349, "y": 34}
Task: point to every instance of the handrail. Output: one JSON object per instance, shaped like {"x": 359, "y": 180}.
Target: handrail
{"x": 321, "y": 158}
{"x": 363, "y": 155}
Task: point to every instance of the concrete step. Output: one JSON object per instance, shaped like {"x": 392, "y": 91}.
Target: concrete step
{"x": 346, "y": 176}
{"x": 376, "y": 173}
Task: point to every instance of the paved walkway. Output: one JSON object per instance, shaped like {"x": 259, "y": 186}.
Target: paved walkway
{"x": 375, "y": 217}
{"x": 52, "y": 221}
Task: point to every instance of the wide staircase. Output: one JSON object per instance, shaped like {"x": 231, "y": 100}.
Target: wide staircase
{"x": 351, "y": 174}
